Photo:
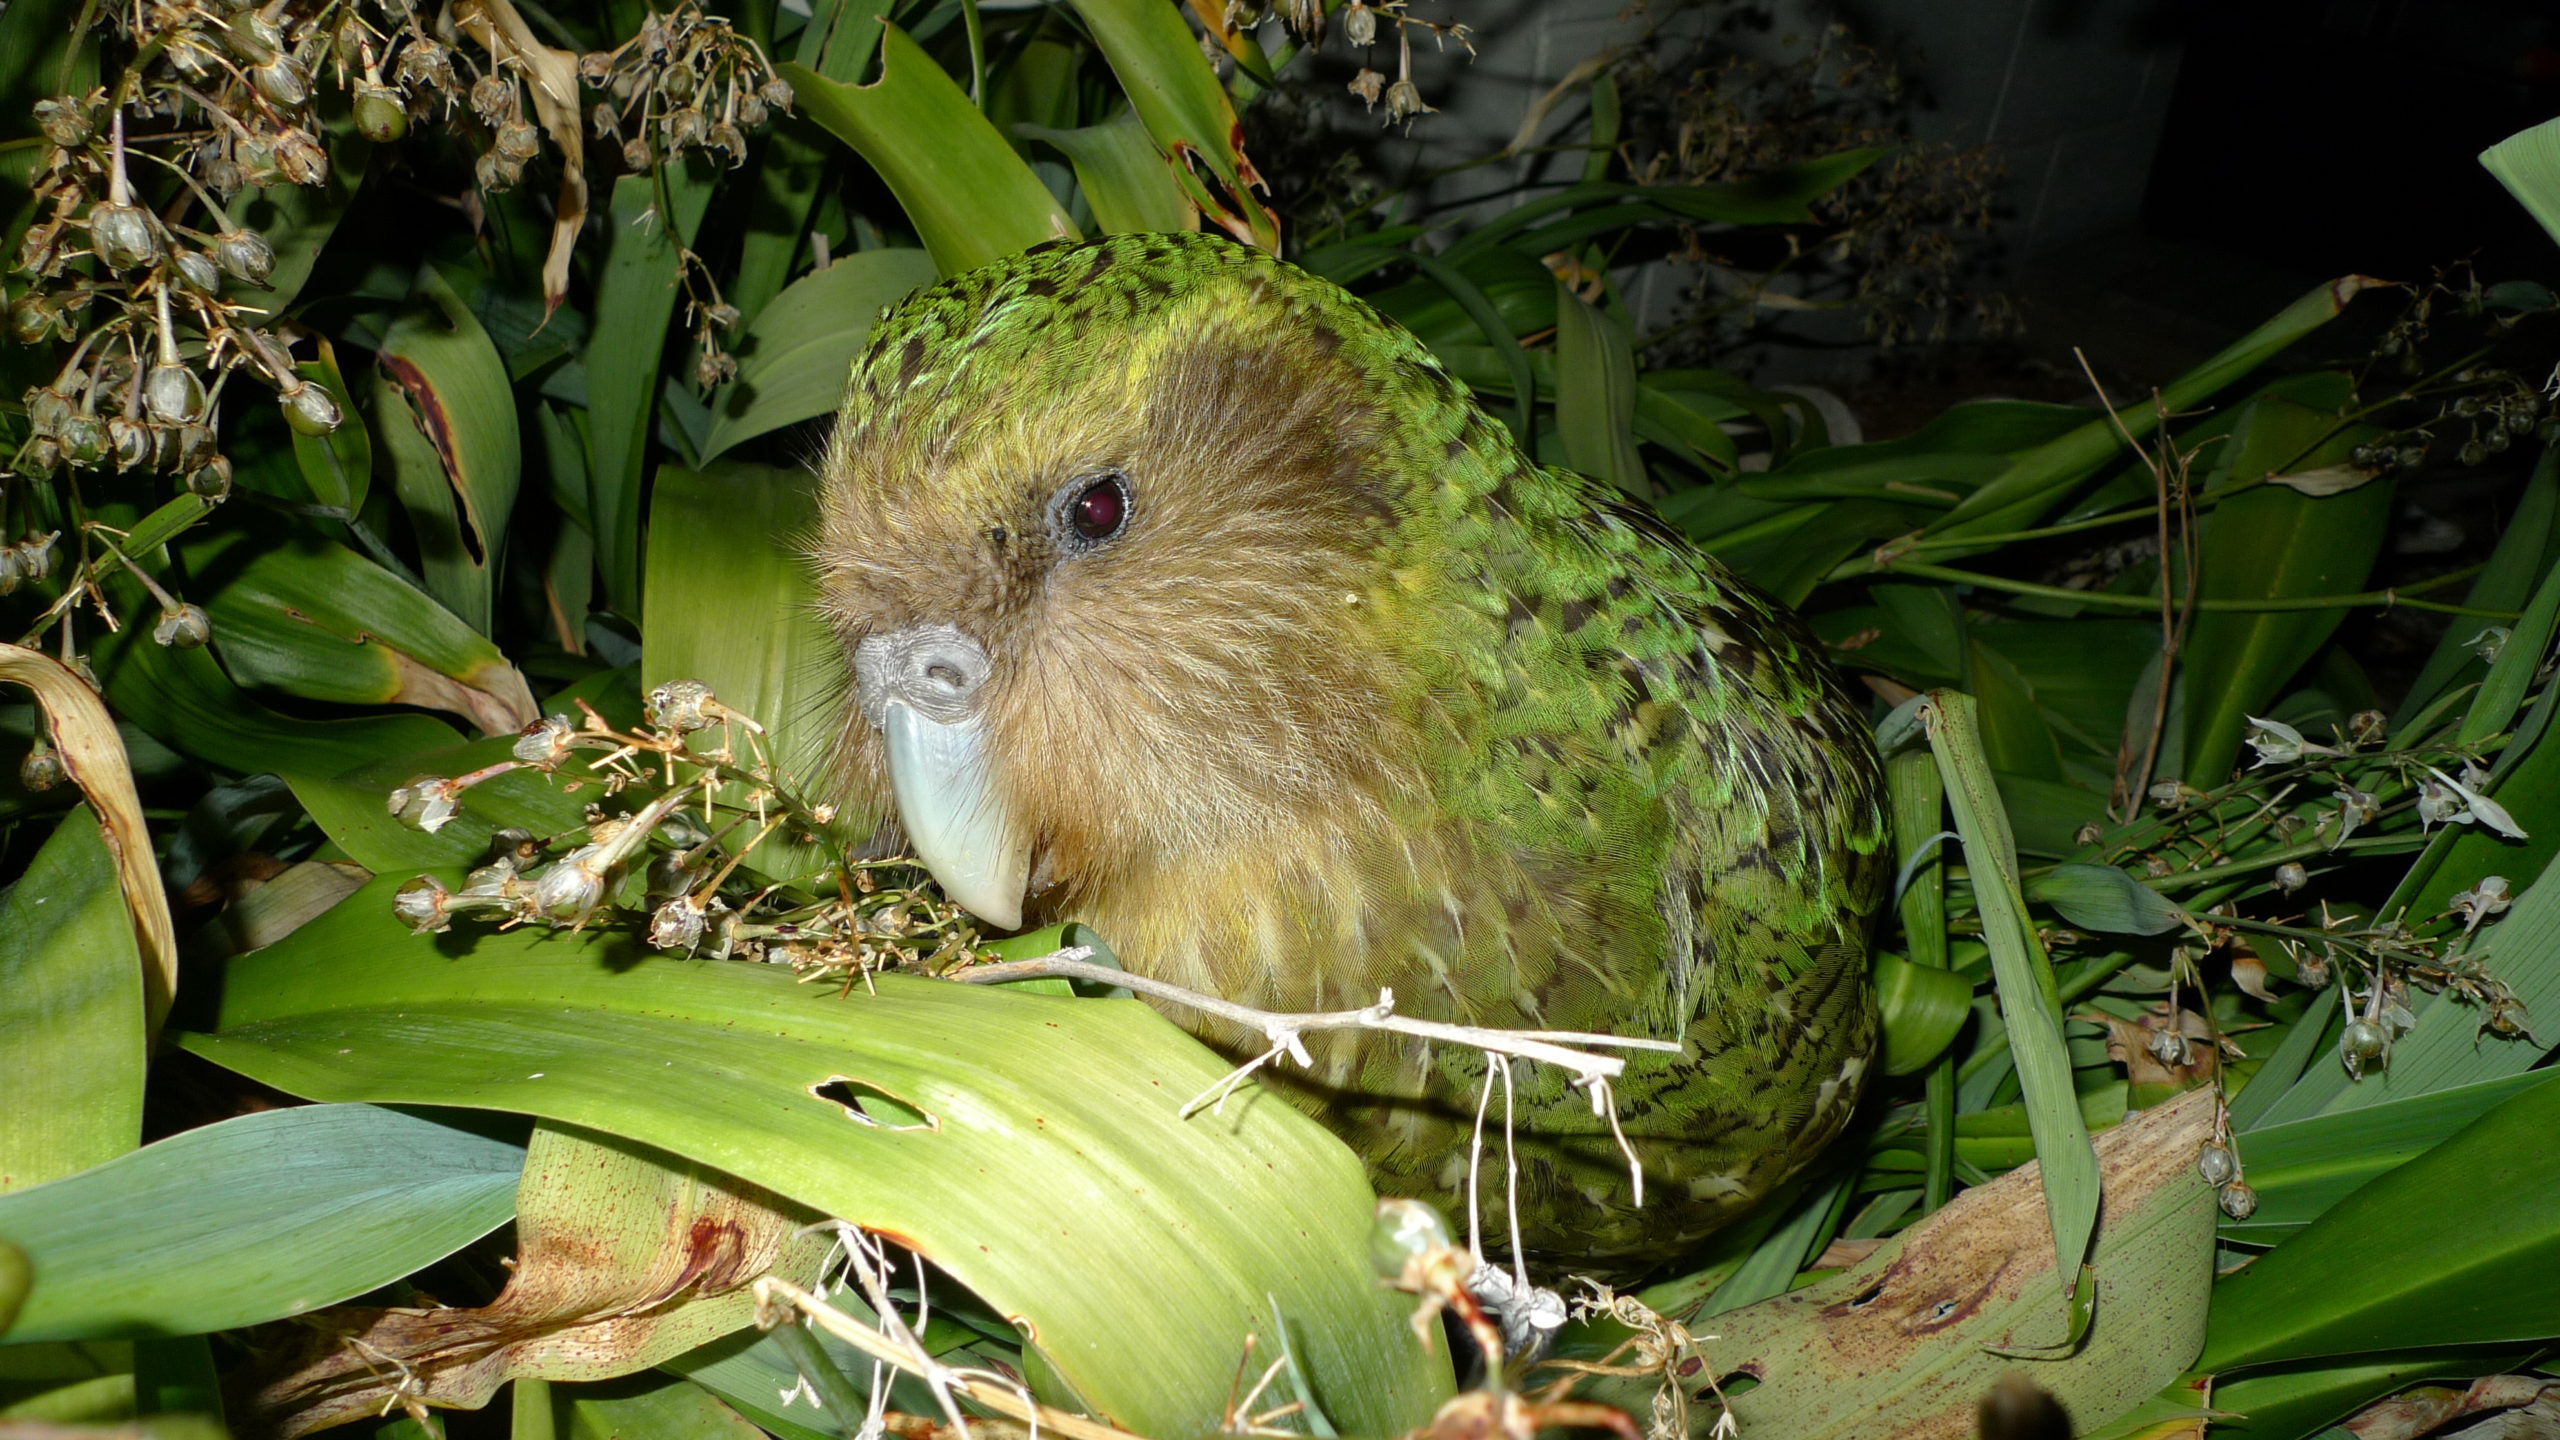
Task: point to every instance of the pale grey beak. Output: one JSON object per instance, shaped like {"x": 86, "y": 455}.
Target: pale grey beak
{"x": 920, "y": 686}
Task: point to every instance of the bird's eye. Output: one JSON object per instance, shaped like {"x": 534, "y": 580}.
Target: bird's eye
{"x": 1099, "y": 509}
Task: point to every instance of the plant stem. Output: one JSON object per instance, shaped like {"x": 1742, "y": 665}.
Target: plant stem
{"x": 2384, "y": 598}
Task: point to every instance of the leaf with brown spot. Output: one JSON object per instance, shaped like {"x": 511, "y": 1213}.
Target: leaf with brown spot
{"x": 628, "y": 1257}
{"x": 443, "y": 415}
{"x": 1904, "y": 1343}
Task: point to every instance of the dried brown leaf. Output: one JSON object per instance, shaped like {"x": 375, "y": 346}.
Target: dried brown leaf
{"x": 93, "y": 755}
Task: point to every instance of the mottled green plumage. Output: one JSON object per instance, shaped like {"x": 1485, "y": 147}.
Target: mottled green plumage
{"x": 1363, "y": 698}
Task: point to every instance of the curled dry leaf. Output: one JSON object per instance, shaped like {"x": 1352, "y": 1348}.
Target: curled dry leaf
{"x": 92, "y": 754}
{"x": 553, "y": 77}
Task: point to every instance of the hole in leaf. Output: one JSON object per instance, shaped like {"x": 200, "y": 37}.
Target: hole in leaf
{"x": 867, "y": 1104}
{"x": 1866, "y": 1297}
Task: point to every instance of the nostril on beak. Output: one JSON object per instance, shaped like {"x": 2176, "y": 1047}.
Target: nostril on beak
{"x": 933, "y": 668}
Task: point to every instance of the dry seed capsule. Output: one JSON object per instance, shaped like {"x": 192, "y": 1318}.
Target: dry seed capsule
{"x": 309, "y": 409}
{"x": 492, "y": 98}
{"x": 775, "y": 92}
{"x": 301, "y": 159}
{"x": 212, "y": 479}
{"x": 245, "y": 254}
{"x": 282, "y": 81}
{"x": 30, "y": 318}
{"x": 42, "y": 769}
{"x": 64, "y": 121}
{"x": 183, "y": 627}
{"x": 2364, "y": 1041}
{"x": 131, "y": 440}
{"x": 122, "y": 236}
{"x": 197, "y": 272}
{"x": 519, "y": 142}
{"x": 39, "y": 457}
{"x": 2239, "y": 1201}
{"x": 173, "y": 394}
{"x": 253, "y": 38}
{"x": 46, "y": 410}
{"x": 84, "y": 441}
{"x": 2217, "y": 1167}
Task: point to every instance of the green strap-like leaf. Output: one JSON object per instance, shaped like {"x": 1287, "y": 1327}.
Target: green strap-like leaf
{"x": 795, "y": 358}
{"x": 254, "y": 1219}
{"x": 970, "y": 197}
{"x": 1129, "y": 185}
{"x": 2029, "y": 1004}
{"x": 444, "y": 416}
{"x": 2449, "y": 1249}
{"x": 71, "y": 1023}
{"x": 1055, "y": 1175}
{"x": 1596, "y": 393}
{"x": 653, "y": 216}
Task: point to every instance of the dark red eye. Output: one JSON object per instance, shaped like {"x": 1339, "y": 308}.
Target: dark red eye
{"x": 1099, "y": 511}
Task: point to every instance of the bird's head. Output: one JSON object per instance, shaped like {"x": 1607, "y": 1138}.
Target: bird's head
{"x": 1116, "y": 537}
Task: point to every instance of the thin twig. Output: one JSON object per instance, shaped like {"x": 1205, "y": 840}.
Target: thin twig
{"x": 912, "y": 1359}
{"x": 1284, "y": 1029}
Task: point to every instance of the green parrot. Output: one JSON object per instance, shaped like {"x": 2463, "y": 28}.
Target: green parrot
{"x": 1187, "y": 597}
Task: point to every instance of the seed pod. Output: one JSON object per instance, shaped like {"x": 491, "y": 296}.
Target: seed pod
{"x": 2364, "y": 1041}
{"x": 83, "y": 439}
{"x": 751, "y": 111}
{"x": 518, "y": 141}
{"x": 257, "y": 157}
{"x": 775, "y": 92}
{"x": 194, "y": 445}
{"x": 42, "y": 769}
{"x": 131, "y": 440}
{"x": 252, "y": 38}
{"x": 122, "y": 236}
{"x": 211, "y": 480}
{"x": 30, "y": 318}
{"x": 637, "y": 155}
{"x": 604, "y": 120}
{"x": 572, "y": 887}
{"x": 173, "y": 394}
{"x": 492, "y": 98}
{"x": 729, "y": 138}
{"x": 595, "y": 65}
{"x": 1360, "y": 25}
{"x": 2217, "y": 1167}
{"x": 281, "y": 80}
{"x": 46, "y": 410}
{"x": 347, "y": 43}
{"x": 684, "y": 128}
{"x": 424, "y": 62}
{"x": 245, "y": 254}
{"x": 2290, "y": 876}
{"x": 677, "y": 84}
{"x": 494, "y": 173}
{"x": 183, "y": 627}
{"x": 722, "y": 315}
{"x": 1404, "y": 101}
{"x": 2239, "y": 1201}
{"x": 424, "y": 905}
{"x": 380, "y": 117}
{"x": 197, "y": 272}
{"x": 714, "y": 367}
{"x": 10, "y": 575}
{"x": 64, "y": 121}
{"x": 301, "y": 159}
{"x": 309, "y": 409}
{"x": 39, "y": 457}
